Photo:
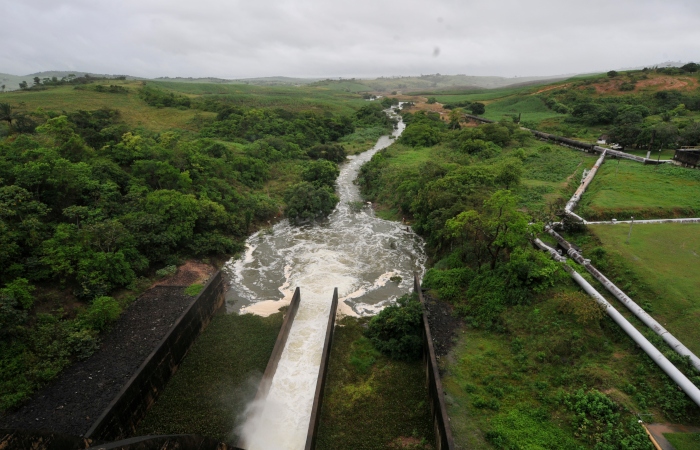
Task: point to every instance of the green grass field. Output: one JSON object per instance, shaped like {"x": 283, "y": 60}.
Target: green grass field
{"x": 134, "y": 111}
{"x": 302, "y": 98}
{"x": 684, "y": 441}
{"x": 530, "y": 108}
{"x": 628, "y": 188}
{"x": 667, "y": 257}
{"x": 509, "y": 389}
{"x": 370, "y": 401}
{"x": 480, "y": 95}
{"x": 216, "y": 380}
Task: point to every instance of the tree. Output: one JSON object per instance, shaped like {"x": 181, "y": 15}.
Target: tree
{"x": 37, "y": 81}
{"x": 612, "y": 74}
{"x": 477, "y": 108}
{"x": 454, "y": 120}
{"x": 420, "y": 135}
{"x": 495, "y": 231}
{"x": 6, "y": 113}
{"x": 320, "y": 173}
{"x": 2, "y": 87}
{"x": 23, "y": 85}
{"x": 306, "y": 201}
{"x": 691, "y": 67}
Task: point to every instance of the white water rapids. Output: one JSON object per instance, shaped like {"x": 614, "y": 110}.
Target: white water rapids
{"x": 354, "y": 251}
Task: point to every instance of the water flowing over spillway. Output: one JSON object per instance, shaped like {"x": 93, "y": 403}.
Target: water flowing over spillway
{"x": 352, "y": 250}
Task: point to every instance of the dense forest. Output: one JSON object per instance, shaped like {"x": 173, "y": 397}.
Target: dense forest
{"x": 90, "y": 206}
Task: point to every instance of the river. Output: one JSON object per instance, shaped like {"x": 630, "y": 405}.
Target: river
{"x": 352, "y": 250}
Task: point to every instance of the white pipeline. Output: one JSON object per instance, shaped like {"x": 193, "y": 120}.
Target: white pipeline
{"x": 681, "y": 380}
{"x": 650, "y": 221}
{"x": 581, "y": 189}
{"x": 642, "y": 315}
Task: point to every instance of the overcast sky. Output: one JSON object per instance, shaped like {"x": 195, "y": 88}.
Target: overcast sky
{"x": 331, "y": 38}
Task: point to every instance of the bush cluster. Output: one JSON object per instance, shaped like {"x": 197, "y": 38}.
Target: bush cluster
{"x": 396, "y": 330}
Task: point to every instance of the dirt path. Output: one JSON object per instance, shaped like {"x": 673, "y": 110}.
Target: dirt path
{"x": 73, "y": 401}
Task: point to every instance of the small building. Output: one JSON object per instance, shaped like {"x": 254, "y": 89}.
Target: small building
{"x": 688, "y": 156}
{"x": 602, "y": 139}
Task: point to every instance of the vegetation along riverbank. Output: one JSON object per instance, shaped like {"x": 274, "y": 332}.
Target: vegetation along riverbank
{"x": 538, "y": 364}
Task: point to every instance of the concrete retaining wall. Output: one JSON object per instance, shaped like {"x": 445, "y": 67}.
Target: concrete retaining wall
{"x": 441, "y": 424}
{"x": 120, "y": 418}
{"x": 322, "y": 371}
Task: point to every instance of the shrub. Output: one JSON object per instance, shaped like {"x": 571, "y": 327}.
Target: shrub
{"x": 448, "y": 284}
{"x": 597, "y": 419}
{"x": 83, "y": 343}
{"x": 320, "y": 173}
{"x": 102, "y": 312}
{"x": 166, "y": 271}
{"x": 396, "y": 330}
{"x": 306, "y": 201}
{"x": 477, "y": 108}
{"x": 194, "y": 289}
{"x": 335, "y": 152}
{"x": 583, "y": 307}
{"x": 420, "y": 135}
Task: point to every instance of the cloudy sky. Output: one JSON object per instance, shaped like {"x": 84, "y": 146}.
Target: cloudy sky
{"x": 331, "y": 38}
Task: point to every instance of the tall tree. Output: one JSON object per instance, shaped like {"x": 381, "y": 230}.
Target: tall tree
{"x": 6, "y": 113}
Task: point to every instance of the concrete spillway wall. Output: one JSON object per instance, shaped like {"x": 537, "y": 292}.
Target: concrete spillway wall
{"x": 441, "y": 422}
{"x": 322, "y": 372}
{"x": 120, "y": 418}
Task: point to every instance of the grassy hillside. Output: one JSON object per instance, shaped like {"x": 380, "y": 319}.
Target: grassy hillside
{"x": 666, "y": 257}
{"x": 624, "y": 188}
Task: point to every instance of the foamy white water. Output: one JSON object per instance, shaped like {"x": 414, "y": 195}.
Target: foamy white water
{"x": 354, "y": 251}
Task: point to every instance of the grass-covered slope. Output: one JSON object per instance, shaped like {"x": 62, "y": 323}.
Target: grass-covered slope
{"x": 622, "y": 189}
{"x": 209, "y": 393}
{"x": 666, "y": 257}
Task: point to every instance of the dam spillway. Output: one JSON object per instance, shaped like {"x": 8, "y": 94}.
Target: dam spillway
{"x": 352, "y": 250}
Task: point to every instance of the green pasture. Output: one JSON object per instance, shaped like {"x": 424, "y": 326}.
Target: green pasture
{"x": 625, "y": 188}
{"x": 479, "y": 95}
{"x": 301, "y": 98}
{"x": 216, "y": 380}
{"x": 134, "y": 111}
{"x": 667, "y": 258}
{"x": 530, "y": 108}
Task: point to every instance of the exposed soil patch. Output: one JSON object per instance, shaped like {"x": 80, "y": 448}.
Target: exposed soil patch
{"x": 660, "y": 83}
{"x": 421, "y": 104}
{"x": 443, "y": 324}
{"x": 549, "y": 88}
{"x": 72, "y": 402}
{"x": 666, "y": 82}
{"x": 189, "y": 273}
